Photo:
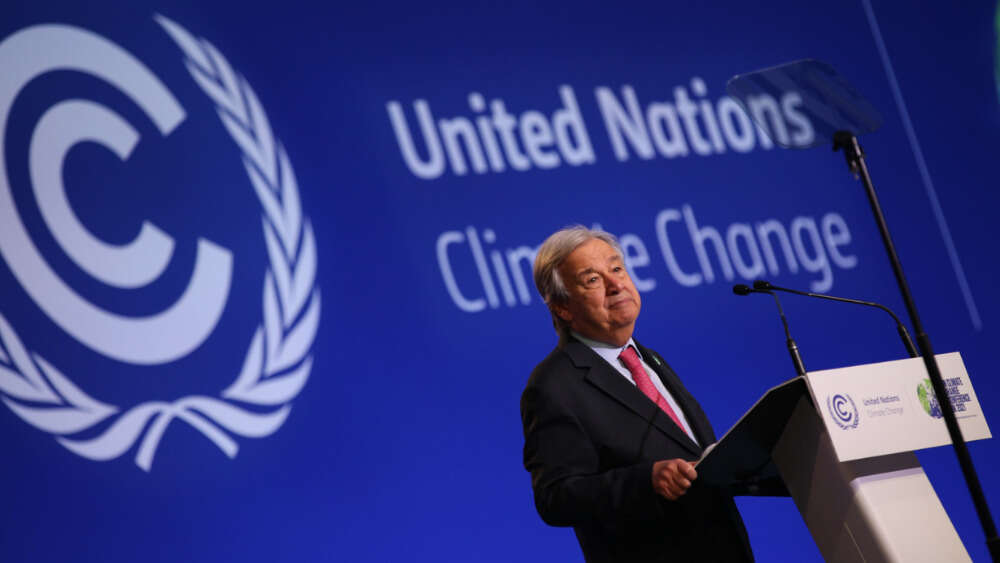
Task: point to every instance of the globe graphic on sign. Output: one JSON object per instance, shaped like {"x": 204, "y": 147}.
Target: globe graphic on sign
{"x": 928, "y": 400}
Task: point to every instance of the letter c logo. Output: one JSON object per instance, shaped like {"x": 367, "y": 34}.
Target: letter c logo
{"x": 159, "y": 338}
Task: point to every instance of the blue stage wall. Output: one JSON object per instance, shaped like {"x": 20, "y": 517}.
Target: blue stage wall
{"x": 314, "y": 348}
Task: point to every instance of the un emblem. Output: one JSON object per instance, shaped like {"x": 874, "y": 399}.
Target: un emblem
{"x": 278, "y": 358}
{"x": 843, "y": 411}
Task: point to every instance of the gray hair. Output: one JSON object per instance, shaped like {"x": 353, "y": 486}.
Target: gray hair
{"x": 552, "y": 254}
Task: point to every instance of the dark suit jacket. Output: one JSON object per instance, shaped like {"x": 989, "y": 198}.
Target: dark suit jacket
{"x": 590, "y": 440}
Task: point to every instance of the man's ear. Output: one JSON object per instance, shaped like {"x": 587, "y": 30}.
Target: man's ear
{"x": 563, "y": 313}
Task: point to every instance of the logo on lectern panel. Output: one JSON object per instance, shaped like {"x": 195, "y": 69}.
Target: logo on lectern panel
{"x": 278, "y": 357}
{"x": 928, "y": 400}
{"x": 843, "y": 411}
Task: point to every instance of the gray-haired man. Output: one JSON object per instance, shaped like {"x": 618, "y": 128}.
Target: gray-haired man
{"x": 610, "y": 431}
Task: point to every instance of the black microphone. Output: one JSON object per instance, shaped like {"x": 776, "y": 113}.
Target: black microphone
{"x": 762, "y": 285}
{"x": 793, "y": 349}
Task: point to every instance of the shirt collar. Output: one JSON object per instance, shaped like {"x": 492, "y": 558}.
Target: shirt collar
{"x": 607, "y": 351}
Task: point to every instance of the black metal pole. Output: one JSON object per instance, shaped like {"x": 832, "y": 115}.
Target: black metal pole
{"x": 844, "y": 140}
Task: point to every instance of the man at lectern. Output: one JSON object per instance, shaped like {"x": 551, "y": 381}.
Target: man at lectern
{"x": 609, "y": 430}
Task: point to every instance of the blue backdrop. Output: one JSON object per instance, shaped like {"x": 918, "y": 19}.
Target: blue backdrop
{"x": 322, "y": 359}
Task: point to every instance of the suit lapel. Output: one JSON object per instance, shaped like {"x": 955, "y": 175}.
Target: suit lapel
{"x": 607, "y": 379}
{"x": 692, "y": 412}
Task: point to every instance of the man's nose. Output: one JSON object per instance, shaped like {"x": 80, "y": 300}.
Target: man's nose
{"x": 613, "y": 284}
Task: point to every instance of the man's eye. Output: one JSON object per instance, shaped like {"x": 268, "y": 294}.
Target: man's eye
{"x": 592, "y": 280}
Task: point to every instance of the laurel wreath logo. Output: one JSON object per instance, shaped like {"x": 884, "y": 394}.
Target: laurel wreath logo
{"x": 843, "y": 411}
{"x": 278, "y": 360}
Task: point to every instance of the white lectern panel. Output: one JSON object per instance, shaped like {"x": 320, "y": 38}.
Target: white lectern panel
{"x": 889, "y": 407}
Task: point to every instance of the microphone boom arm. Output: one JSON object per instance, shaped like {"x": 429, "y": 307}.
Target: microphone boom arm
{"x": 904, "y": 335}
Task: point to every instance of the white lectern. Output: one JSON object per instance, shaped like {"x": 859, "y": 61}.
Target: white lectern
{"x": 840, "y": 443}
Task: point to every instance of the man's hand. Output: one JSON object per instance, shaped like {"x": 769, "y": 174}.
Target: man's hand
{"x": 672, "y": 477}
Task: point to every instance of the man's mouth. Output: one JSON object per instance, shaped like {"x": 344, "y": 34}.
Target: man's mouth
{"x": 620, "y": 302}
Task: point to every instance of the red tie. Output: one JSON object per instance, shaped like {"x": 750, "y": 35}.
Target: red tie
{"x": 631, "y": 360}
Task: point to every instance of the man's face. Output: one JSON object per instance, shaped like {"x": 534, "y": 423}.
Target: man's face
{"x": 603, "y": 303}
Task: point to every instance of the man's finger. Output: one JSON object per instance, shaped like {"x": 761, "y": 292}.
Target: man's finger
{"x": 688, "y": 470}
{"x": 676, "y": 492}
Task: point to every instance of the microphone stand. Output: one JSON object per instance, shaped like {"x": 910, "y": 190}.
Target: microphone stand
{"x": 846, "y": 141}
{"x": 900, "y": 327}
{"x": 793, "y": 348}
